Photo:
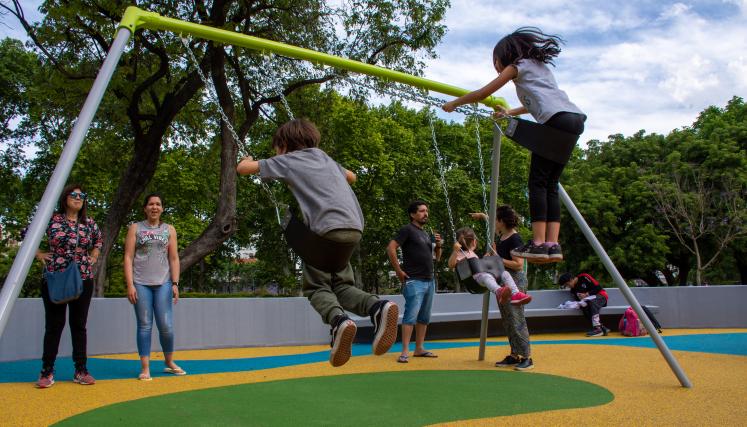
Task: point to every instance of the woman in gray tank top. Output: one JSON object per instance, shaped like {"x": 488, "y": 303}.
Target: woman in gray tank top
{"x": 151, "y": 270}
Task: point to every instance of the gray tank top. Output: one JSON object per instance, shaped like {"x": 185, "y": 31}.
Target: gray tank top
{"x": 539, "y": 93}
{"x": 151, "y": 263}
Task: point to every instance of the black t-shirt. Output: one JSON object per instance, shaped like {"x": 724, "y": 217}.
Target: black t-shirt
{"x": 504, "y": 247}
{"x": 417, "y": 252}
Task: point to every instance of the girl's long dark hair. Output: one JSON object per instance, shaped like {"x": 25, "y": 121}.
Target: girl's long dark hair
{"x": 527, "y": 43}
{"x": 62, "y": 202}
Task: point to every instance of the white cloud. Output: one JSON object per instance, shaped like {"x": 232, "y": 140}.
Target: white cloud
{"x": 630, "y": 65}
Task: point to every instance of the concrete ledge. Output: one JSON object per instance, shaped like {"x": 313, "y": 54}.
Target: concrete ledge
{"x": 458, "y": 316}
{"x": 246, "y": 322}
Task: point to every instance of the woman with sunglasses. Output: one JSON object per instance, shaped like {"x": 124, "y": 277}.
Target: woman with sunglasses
{"x": 151, "y": 270}
{"x": 72, "y": 236}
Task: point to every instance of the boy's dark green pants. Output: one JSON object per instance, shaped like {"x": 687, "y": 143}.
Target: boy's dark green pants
{"x": 332, "y": 293}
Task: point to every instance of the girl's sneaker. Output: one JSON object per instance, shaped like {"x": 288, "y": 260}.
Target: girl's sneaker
{"x": 531, "y": 251}
{"x": 555, "y": 253}
{"x": 520, "y": 298}
{"x": 82, "y": 377}
{"x": 46, "y": 379}
{"x": 503, "y": 294}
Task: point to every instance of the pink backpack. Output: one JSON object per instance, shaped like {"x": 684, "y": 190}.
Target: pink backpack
{"x": 630, "y": 325}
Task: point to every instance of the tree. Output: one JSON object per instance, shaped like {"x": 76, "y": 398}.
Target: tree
{"x": 155, "y": 96}
{"x": 701, "y": 193}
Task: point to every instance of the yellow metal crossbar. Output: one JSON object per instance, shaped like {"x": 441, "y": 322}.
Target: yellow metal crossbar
{"x": 135, "y": 18}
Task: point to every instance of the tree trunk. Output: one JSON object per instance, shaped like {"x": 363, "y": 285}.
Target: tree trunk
{"x": 137, "y": 175}
{"x": 698, "y": 265}
{"x": 740, "y": 258}
{"x": 669, "y": 276}
{"x": 140, "y": 170}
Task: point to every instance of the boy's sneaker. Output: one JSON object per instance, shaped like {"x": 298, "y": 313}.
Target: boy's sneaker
{"x": 343, "y": 334}
{"x": 605, "y": 330}
{"x": 531, "y": 251}
{"x": 384, "y": 316}
{"x": 520, "y": 298}
{"x": 503, "y": 295}
{"x": 508, "y": 362}
{"x": 82, "y": 377}
{"x": 554, "y": 253}
{"x": 525, "y": 365}
{"x": 46, "y": 379}
{"x": 596, "y": 332}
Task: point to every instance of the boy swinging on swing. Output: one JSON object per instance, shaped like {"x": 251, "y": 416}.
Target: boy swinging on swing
{"x": 331, "y": 211}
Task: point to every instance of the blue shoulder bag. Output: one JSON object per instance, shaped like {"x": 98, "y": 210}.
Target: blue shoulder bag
{"x": 66, "y": 285}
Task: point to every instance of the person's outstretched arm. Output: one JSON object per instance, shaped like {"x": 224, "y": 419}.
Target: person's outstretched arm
{"x": 452, "y": 262}
{"x": 508, "y": 74}
{"x": 350, "y": 176}
{"x": 248, "y": 166}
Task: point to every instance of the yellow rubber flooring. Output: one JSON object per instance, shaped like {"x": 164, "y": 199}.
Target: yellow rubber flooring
{"x": 647, "y": 393}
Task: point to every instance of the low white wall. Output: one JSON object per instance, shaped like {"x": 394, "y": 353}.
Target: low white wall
{"x": 244, "y": 322}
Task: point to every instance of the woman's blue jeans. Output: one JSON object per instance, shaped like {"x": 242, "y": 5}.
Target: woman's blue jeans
{"x": 154, "y": 301}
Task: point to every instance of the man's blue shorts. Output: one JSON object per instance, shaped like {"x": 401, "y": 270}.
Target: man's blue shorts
{"x": 418, "y": 301}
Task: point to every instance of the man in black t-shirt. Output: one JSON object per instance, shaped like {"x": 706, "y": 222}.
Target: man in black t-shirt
{"x": 419, "y": 249}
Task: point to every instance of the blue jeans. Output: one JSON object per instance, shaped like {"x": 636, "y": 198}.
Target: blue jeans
{"x": 418, "y": 301}
{"x": 154, "y": 300}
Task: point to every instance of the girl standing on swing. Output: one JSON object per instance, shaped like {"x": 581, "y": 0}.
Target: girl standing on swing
{"x": 522, "y": 57}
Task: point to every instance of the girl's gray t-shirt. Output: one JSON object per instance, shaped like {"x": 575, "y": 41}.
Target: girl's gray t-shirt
{"x": 539, "y": 93}
{"x": 319, "y": 185}
{"x": 151, "y": 264}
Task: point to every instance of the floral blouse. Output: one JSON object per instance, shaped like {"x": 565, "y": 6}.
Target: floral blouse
{"x": 61, "y": 234}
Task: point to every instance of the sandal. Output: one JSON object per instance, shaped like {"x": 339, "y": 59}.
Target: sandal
{"x": 403, "y": 359}
{"x": 144, "y": 377}
{"x": 175, "y": 371}
{"x": 426, "y": 354}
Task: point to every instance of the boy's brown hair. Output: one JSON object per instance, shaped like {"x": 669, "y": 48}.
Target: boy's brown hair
{"x": 296, "y": 134}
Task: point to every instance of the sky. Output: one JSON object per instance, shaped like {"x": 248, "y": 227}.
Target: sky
{"x": 629, "y": 65}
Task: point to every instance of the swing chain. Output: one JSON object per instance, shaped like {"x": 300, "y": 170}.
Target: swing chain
{"x": 442, "y": 173}
{"x": 408, "y": 93}
{"x": 482, "y": 174}
{"x": 243, "y": 150}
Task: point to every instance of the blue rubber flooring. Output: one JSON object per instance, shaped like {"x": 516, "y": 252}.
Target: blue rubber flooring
{"x": 108, "y": 369}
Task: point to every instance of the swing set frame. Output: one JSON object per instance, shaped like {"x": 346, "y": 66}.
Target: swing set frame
{"x": 135, "y": 19}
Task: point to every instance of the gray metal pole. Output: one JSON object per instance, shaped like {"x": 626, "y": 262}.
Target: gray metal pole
{"x": 620, "y": 282}
{"x": 494, "y": 176}
{"x": 24, "y": 258}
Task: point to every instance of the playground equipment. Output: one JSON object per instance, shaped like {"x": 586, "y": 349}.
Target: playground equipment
{"x": 135, "y": 18}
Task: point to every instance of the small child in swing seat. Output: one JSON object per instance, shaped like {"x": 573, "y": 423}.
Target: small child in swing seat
{"x": 464, "y": 248}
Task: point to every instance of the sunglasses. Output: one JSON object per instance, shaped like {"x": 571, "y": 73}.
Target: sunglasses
{"x": 78, "y": 195}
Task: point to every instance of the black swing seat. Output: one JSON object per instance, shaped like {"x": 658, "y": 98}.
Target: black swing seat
{"x": 468, "y": 267}
{"x": 545, "y": 141}
{"x": 316, "y": 251}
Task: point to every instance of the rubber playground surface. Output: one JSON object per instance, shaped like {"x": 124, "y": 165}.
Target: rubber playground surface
{"x": 576, "y": 381}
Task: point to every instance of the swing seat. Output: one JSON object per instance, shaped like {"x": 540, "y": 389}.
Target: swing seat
{"x": 544, "y": 141}
{"x": 468, "y": 267}
{"x": 316, "y": 251}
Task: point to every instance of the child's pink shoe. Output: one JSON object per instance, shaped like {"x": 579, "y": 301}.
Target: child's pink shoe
{"x": 520, "y": 298}
{"x": 503, "y": 294}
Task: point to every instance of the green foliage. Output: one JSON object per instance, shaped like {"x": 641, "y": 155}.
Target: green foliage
{"x": 389, "y": 147}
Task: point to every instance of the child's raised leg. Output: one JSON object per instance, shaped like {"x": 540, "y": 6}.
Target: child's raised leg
{"x": 517, "y": 297}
